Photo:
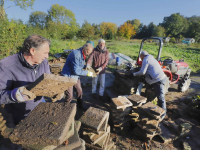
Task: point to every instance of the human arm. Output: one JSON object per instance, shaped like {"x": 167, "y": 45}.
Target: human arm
{"x": 143, "y": 70}
{"x": 77, "y": 66}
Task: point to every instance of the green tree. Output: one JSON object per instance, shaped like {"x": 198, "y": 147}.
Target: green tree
{"x": 175, "y": 25}
{"x": 159, "y": 31}
{"x": 151, "y": 27}
{"x": 194, "y": 27}
{"x": 62, "y": 17}
{"x": 38, "y": 18}
{"x": 136, "y": 24}
{"x": 86, "y": 31}
{"x": 24, "y": 4}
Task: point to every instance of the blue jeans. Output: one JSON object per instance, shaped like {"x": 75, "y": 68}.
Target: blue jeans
{"x": 159, "y": 90}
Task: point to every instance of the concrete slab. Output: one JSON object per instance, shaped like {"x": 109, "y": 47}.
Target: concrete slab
{"x": 166, "y": 135}
{"x": 71, "y": 131}
{"x": 82, "y": 147}
{"x": 137, "y": 99}
{"x": 49, "y": 85}
{"x": 47, "y": 124}
{"x": 92, "y": 147}
{"x": 121, "y": 102}
{"x": 73, "y": 142}
{"x": 153, "y": 110}
{"x": 77, "y": 125}
{"x": 94, "y": 118}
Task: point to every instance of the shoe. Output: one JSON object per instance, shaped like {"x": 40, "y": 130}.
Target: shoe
{"x": 94, "y": 95}
{"x": 101, "y": 98}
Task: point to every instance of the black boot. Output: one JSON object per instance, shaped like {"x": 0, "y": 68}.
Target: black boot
{"x": 79, "y": 103}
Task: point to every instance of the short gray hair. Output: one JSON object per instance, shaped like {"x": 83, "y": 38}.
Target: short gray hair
{"x": 87, "y": 46}
{"x": 34, "y": 41}
{"x": 144, "y": 53}
{"x": 101, "y": 41}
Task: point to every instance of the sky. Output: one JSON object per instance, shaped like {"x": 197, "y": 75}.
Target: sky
{"x": 115, "y": 11}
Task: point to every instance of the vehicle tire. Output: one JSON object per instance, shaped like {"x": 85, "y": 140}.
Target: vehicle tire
{"x": 166, "y": 86}
{"x": 184, "y": 84}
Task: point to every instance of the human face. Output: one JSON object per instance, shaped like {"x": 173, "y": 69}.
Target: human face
{"x": 101, "y": 45}
{"x": 88, "y": 51}
{"x": 39, "y": 54}
{"x": 142, "y": 56}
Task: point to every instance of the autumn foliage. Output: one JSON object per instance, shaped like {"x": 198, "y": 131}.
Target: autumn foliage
{"x": 126, "y": 30}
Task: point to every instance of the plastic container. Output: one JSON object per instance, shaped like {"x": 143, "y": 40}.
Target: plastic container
{"x": 91, "y": 42}
{"x": 118, "y": 61}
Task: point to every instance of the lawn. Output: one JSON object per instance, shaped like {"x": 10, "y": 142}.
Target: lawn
{"x": 190, "y": 53}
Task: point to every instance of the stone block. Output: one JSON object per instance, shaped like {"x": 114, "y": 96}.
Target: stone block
{"x": 92, "y": 147}
{"x": 49, "y": 85}
{"x": 166, "y": 135}
{"x": 137, "y": 99}
{"x": 47, "y": 124}
{"x": 77, "y": 125}
{"x": 153, "y": 110}
{"x": 103, "y": 142}
{"x": 94, "y": 138}
{"x": 73, "y": 142}
{"x": 82, "y": 147}
{"x": 121, "y": 102}
{"x": 94, "y": 118}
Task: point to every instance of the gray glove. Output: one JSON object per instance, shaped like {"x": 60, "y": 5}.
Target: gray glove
{"x": 21, "y": 94}
{"x": 98, "y": 70}
{"x": 88, "y": 67}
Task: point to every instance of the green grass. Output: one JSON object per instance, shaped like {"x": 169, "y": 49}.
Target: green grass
{"x": 191, "y": 54}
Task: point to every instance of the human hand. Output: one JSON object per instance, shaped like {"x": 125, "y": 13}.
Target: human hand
{"x": 98, "y": 70}
{"x": 21, "y": 94}
{"x": 58, "y": 97}
{"x": 90, "y": 74}
{"x": 88, "y": 67}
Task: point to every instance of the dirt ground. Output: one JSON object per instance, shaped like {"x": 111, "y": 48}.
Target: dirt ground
{"x": 176, "y": 108}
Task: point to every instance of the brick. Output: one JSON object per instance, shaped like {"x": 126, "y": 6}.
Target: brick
{"x": 49, "y": 85}
{"x": 94, "y": 118}
{"x": 47, "y": 124}
{"x": 121, "y": 102}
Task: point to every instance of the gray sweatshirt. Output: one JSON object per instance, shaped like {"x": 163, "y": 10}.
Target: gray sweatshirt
{"x": 151, "y": 69}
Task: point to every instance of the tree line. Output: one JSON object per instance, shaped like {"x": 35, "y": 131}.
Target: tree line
{"x": 60, "y": 23}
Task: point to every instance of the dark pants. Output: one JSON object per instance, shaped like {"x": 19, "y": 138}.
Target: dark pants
{"x": 69, "y": 92}
{"x": 160, "y": 93}
{"x": 159, "y": 90}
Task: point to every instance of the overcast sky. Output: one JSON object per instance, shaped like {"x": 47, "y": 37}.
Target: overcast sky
{"x": 115, "y": 11}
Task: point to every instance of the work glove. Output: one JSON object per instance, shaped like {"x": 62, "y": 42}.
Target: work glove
{"x": 88, "y": 67}
{"x": 98, "y": 70}
{"x": 2, "y": 123}
{"x": 58, "y": 97}
{"x": 90, "y": 74}
{"x": 21, "y": 94}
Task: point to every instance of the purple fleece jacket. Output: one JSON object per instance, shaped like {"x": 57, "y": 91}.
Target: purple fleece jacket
{"x": 15, "y": 72}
